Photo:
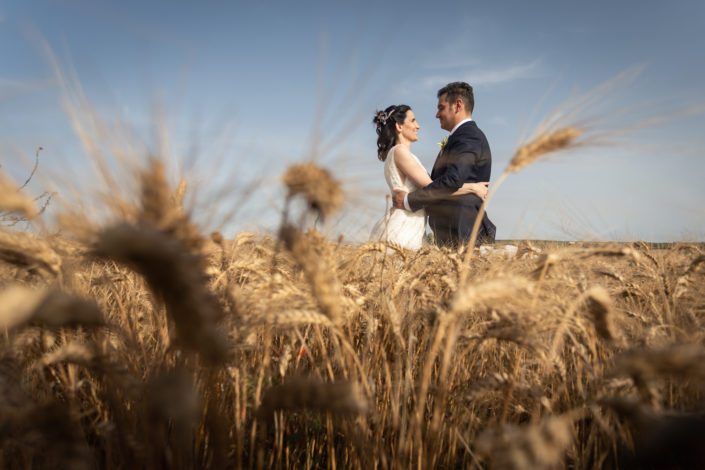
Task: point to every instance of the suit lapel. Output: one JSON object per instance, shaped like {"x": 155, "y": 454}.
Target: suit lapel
{"x": 451, "y": 139}
{"x": 435, "y": 164}
{"x": 440, "y": 156}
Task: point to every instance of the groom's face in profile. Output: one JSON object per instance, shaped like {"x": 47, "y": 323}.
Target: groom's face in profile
{"x": 445, "y": 113}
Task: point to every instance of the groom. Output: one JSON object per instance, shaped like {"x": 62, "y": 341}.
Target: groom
{"x": 465, "y": 158}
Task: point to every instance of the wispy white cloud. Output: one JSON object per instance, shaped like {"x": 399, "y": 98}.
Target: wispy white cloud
{"x": 487, "y": 76}
{"x": 440, "y": 63}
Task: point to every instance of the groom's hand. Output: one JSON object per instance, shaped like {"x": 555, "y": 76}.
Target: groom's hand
{"x": 398, "y": 198}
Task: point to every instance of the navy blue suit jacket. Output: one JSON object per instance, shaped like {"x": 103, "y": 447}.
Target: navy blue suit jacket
{"x": 466, "y": 158}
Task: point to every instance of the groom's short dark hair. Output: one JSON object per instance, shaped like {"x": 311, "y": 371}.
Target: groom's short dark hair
{"x": 460, "y": 90}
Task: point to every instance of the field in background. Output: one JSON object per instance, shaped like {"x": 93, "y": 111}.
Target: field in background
{"x": 147, "y": 344}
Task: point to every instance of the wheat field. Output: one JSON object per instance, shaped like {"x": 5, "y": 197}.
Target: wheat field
{"x": 149, "y": 344}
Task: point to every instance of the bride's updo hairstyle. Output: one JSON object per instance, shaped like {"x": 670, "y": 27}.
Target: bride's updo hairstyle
{"x": 386, "y": 130}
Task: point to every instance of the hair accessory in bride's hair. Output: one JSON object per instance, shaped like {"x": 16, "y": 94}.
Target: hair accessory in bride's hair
{"x": 389, "y": 114}
{"x": 384, "y": 117}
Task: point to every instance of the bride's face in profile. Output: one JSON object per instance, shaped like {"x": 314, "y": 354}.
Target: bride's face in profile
{"x": 409, "y": 131}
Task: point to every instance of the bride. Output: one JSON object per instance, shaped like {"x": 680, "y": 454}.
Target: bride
{"x": 397, "y": 129}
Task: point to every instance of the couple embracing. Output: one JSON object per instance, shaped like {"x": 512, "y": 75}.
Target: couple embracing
{"x": 452, "y": 195}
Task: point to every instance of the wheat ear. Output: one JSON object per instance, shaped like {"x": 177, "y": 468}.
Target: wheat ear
{"x": 547, "y": 142}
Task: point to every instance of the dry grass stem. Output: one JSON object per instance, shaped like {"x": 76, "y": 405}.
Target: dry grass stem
{"x": 12, "y": 200}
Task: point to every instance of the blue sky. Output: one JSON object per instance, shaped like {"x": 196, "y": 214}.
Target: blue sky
{"x": 248, "y": 88}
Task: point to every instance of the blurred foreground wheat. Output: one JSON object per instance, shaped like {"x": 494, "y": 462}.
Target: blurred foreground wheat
{"x": 144, "y": 344}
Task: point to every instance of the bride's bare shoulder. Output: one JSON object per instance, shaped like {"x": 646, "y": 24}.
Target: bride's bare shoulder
{"x": 405, "y": 159}
{"x": 401, "y": 153}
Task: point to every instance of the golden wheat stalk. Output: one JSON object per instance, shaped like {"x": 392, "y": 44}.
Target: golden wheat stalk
{"x": 544, "y": 144}
{"x": 176, "y": 275}
{"x": 298, "y": 393}
{"x": 549, "y": 142}
{"x": 540, "y": 445}
{"x": 22, "y": 305}
{"x": 161, "y": 207}
{"x": 600, "y": 307}
{"x": 73, "y": 352}
{"x": 318, "y": 187}
{"x": 469, "y": 296}
{"x": 321, "y": 276}
{"x": 683, "y": 360}
{"x": 30, "y": 251}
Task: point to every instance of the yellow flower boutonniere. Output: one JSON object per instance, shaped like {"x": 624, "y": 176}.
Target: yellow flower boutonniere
{"x": 442, "y": 144}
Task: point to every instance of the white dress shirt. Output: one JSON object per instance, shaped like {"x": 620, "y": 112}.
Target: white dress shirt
{"x": 458, "y": 125}
{"x": 406, "y": 197}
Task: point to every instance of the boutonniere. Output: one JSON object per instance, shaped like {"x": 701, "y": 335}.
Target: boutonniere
{"x": 442, "y": 144}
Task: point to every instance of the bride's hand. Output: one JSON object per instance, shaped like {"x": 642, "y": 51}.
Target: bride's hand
{"x": 478, "y": 189}
{"x": 398, "y": 198}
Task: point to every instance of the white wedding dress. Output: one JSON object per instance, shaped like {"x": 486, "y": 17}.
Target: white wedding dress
{"x": 400, "y": 226}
